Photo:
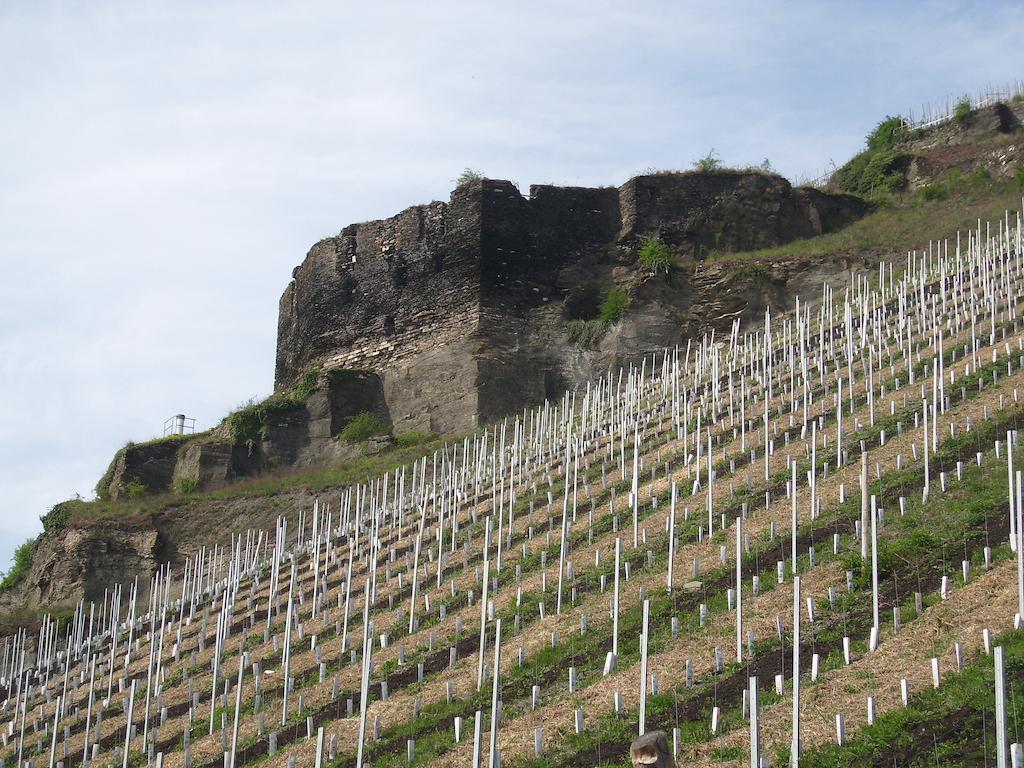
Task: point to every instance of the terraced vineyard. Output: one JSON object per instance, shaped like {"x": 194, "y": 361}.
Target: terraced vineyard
{"x": 835, "y": 493}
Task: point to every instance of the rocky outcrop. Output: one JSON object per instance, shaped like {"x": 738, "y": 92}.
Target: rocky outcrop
{"x": 82, "y": 559}
{"x": 459, "y": 307}
{"x": 82, "y": 563}
{"x": 145, "y": 467}
{"x": 298, "y": 433}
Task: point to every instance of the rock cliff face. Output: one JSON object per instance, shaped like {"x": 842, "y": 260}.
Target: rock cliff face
{"x": 303, "y": 434}
{"x": 460, "y": 307}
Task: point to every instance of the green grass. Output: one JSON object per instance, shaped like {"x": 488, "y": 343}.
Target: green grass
{"x": 589, "y": 332}
{"x": 614, "y": 305}
{"x": 963, "y": 110}
{"x": 654, "y": 256}
{"x": 186, "y": 485}
{"x": 363, "y": 426}
{"x": 20, "y": 565}
{"x": 953, "y": 725}
{"x": 586, "y": 333}
{"x": 248, "y": 424}
{"x": 136, "y": 512}
{"x": 412, "y": 439}
{"x": 903, "y": 225}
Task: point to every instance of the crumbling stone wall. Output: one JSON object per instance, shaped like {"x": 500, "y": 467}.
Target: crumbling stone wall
{"x": 457, "y": 306}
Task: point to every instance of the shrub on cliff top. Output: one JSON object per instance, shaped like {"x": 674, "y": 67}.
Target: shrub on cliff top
{"x": 962, "y": 110}
{"x": 468, "y": 175}
{"x": 654, "y": 256}
{"x": 710, "y": 163}
{"x": 248, "y": 424}
{"x": 874, "y": 174}
{"x": 20, "y": 565}
{"x": 886, "y": 134}
{"x": 880, "y": 170}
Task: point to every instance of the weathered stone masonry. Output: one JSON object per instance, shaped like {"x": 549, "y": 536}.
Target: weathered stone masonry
{"x": 457, "y": 306}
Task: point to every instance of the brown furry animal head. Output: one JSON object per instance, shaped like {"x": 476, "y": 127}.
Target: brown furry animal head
{"x": 652, "y": 751}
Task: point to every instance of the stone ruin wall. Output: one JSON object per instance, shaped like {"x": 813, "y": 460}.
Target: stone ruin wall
{"x": 456, "y": 306}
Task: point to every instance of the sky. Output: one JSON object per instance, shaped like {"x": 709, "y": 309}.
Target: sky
{"x": 164, "y": 166}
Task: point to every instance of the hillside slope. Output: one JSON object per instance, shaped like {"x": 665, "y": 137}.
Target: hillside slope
{"x": 635, "y": 508}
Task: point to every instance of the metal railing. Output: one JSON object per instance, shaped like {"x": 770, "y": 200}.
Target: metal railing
{"x": 179, "y": 424}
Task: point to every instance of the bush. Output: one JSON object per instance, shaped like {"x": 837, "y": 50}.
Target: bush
{"x": 21, "y": 563}
{"x": 135, "y": 489}
{"x": 56, "y": 519}
{"x": 935, "y": 190}
{"x": 186, "y": 485}
{"x": 710, "y": 163}
{"x": 886, "y": 134}
{"x": 248, "y": 424}
{"x": 874, "y": 173}
{"x": 1018, "y": 177}
{"x": 363, "y": 426}
{"x": 412, "y": 439}
{"x": 468, "y": 175}
{"x": 586, "y": 333}
{"x": 878, "y": 171}
{"x": 614, "y": 305}
{"x": 962, "y": 110}
{"x": 654, "y": 256}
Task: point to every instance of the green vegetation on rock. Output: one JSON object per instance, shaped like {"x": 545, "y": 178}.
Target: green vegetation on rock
{"x": 962, "y": 110}
{"x": 248, "y": 424}
{"x": 879, "y": 170}
{"x": 186, "y": 485}
{"x": 468, "y": 175}
{"x": 710, "y": 163}
{"x": 589, "y": 332}
{"x": 614, "y": 305}
{"x": 655, "y": 256}
{"x": 363, "y": 426}
{"x": 20, "y": 565}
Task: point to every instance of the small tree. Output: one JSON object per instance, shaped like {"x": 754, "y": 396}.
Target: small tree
{"x": 710, "y": 163}
{"x": 962, "y": 110}
{"x": 886, "y": 134}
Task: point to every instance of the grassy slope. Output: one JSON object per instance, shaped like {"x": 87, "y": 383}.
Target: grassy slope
{"x": 140, "y": 510}
{"x": 901, "y": 226}
{"x": 953, "y": 725}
